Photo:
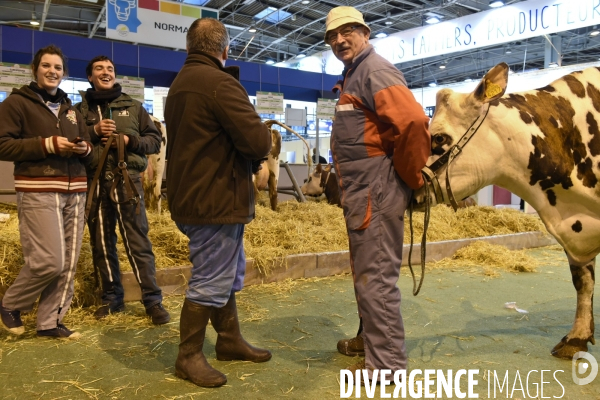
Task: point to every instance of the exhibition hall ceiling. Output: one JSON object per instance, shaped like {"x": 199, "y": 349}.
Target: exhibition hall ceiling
{"x": 285, "y": 29}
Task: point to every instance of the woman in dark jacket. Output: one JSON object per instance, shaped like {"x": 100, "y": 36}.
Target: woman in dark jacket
{"x": 47, "y": 140}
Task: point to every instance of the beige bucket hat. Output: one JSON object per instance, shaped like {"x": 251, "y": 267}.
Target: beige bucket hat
{"x": 343, "y": 15}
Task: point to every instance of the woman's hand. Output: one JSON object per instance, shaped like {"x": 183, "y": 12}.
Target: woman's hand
{"x": 80, "y": 148}
{"x": 65, "y": 148}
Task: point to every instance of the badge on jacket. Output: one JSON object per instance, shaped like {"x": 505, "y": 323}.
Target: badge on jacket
{"x": 72, "y": 117}
{"x": 123, "y": 113}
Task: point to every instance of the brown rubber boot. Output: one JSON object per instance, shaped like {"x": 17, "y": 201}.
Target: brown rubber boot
{"x": 191, "y": 363}
{"x": 230, "y": 343}
{"x": 353, "y": 347}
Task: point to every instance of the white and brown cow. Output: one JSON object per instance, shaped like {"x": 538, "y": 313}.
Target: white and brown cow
{"x": 152, "y": 177}
{"x": 544, "y": 146}
{"x": 268, "y": 175}
{"x": 323, "y": 181}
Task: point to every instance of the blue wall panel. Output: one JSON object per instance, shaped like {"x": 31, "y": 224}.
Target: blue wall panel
{"x": 166, "y": 60}
{"x": 269, "y": 74}
{"x": 17, "y": 40}
{"x": 124, "y": 54}
{"x": 76, "y": 47}
{"x": 157, "y": 66}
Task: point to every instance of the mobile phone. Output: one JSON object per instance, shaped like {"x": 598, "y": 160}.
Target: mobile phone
{"x": 77, "y": 140}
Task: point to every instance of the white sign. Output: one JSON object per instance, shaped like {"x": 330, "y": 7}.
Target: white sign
{"x": 14, "y": 76}
{"x": 326, "y": 108}
{"x": 158, "y": 103}
{"x": 134, "y": 87}
{"x": 518, "y": 21}
{"x": 156, "y": 22}
{"x": 269, "y": 103}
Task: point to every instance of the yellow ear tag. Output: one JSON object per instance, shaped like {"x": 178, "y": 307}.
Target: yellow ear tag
{"x": 491, "y": 89}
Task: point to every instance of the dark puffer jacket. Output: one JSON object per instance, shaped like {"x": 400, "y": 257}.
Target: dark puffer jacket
{"x": 214, "y": 134}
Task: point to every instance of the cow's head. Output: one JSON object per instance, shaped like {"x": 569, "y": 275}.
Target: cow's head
{"x": 313, "y": 186}
{"x": 454, "y": 115}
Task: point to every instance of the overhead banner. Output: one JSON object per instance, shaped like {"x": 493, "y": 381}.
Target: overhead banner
{"x": 156, "y": 22}
{"x": 511, "y": 23}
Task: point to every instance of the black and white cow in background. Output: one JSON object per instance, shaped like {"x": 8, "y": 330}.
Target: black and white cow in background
{"x": 544, "y": 146}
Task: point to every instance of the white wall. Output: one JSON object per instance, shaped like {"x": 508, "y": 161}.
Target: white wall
{"x": 517, "y": 82}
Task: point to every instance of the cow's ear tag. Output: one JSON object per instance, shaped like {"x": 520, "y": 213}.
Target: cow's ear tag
{"x": 491, "y": 89}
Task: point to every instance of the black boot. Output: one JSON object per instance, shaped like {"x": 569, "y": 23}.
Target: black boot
{"x": 353, "y": 347}
{"x": 230, "y": 343}
{"x": 191, "y": 363}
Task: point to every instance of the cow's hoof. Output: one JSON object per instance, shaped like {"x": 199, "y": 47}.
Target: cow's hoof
{"x": 568, "y": 347}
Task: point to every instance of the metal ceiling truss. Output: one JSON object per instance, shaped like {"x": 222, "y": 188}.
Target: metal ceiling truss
{"x": 302, "y": 31}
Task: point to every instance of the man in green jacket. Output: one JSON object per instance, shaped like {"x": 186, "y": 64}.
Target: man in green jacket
{"x": 107, "y": 110}
{"x": 214, "y": 135}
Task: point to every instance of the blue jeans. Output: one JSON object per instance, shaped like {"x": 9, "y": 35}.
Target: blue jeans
{"x": 218, "y": 262}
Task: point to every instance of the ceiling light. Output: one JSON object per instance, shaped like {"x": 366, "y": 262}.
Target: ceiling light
{"x": 442, "y": 66}
{"x": 252, "y": 29}
{"x": 270, "y": 62}
{"x": 468, "y": 80}
{"x": 508, "y": 51}
{"x": 432, "y": 20}
{"x": 433, "y": 84}
{"x": 595, "y": 32}
{"x": 301, "y": 55}
{"x": 388, "y": 22}
{"x": 327, "y": 45}
{"x": 381, "y": 35}
{"x": 496, "y": 3}
{"x": 34, "y": 20}
{"x": 305, "y": 2}
{"x": 552, "y": 65}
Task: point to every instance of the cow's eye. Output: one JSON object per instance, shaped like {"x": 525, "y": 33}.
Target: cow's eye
{"x": 439, "y": 139}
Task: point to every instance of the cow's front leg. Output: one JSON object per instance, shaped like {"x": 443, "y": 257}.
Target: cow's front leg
{"x": 582, "y": 331}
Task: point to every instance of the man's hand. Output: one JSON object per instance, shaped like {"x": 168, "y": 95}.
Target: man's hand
{"x": 114, "y": 143}
{"x": 105, "y": 127}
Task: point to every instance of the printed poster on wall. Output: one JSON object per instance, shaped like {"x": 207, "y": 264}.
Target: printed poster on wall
{"x": 269, "y": 103}
{"x": 14, "y": 76}
{"x": 156, "y": 22}
{"x": 134, "y": 87}
{"x": 326, "y": 108}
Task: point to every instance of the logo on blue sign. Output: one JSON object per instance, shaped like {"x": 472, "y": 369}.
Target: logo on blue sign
{"x": 122, "y": 15}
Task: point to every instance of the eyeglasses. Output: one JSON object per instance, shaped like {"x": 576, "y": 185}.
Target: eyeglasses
{"x": 331, "y": 37}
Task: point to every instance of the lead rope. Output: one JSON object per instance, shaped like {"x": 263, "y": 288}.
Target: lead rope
{"x": 417, "y": 289}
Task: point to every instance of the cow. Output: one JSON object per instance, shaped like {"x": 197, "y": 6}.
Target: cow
{"x": 544, "y": 146}
{"x": 268, "y": 175}
{"x": 323, "y": 180}
{"x": 152, "y": 177}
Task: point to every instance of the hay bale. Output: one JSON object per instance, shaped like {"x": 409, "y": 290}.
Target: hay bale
{"x": 296, "y": 228}
{"x": 486, "y": 255}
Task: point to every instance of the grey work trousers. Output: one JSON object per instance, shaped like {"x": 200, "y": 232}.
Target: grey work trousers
{"x": 51, "y": 227}
{"x": 375, "y": 257}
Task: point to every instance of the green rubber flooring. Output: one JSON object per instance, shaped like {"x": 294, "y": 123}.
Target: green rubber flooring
{"x": 457, "y": 322}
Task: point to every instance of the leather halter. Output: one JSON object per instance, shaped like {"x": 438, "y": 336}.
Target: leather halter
{"x": 324, "y": 184}
{"x": 430, "y": 172}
